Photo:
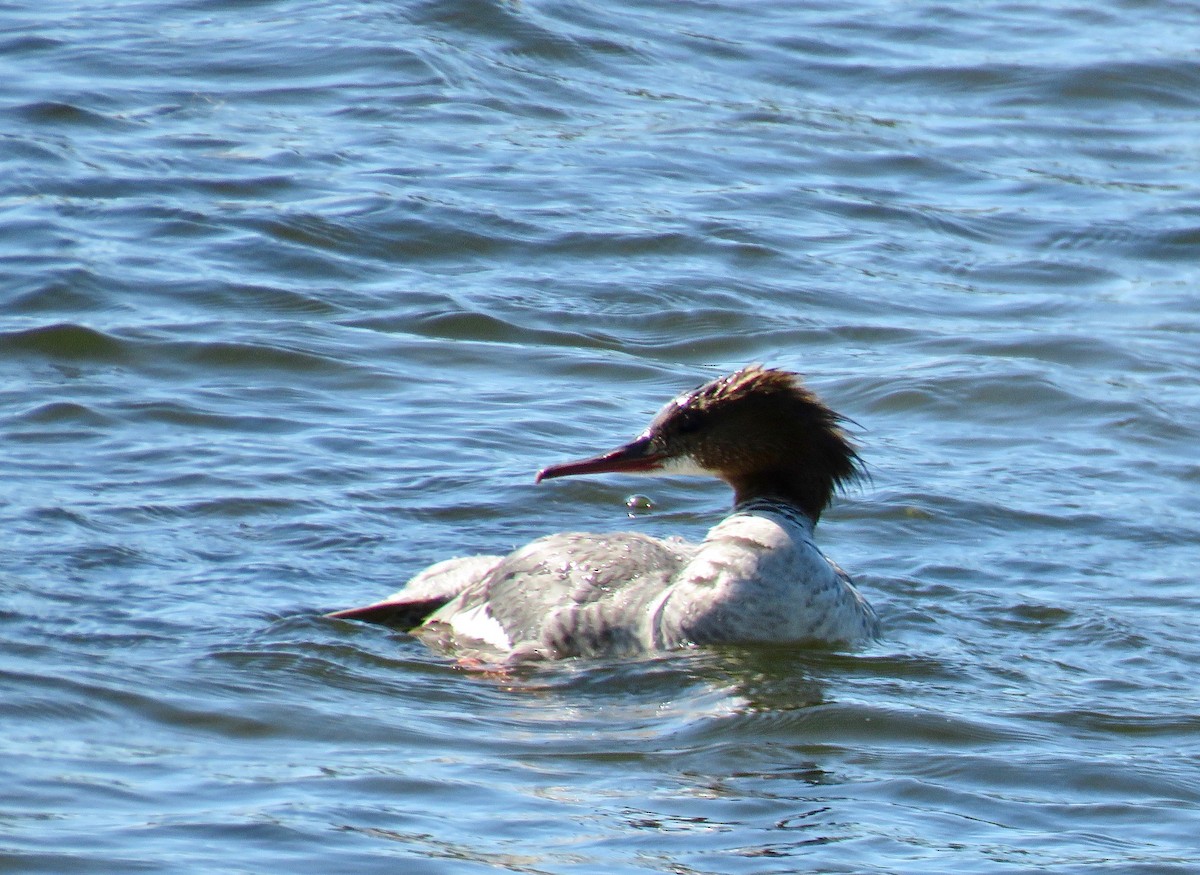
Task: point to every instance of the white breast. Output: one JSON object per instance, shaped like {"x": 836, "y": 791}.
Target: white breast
{"x": 758, "y": 577}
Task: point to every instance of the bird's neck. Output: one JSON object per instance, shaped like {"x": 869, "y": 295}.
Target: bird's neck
{"x": 807, "y": 493}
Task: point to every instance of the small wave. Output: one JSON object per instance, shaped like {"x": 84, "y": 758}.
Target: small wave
{"x": 75, "y": 344}
{"x": 67, "y": 341}
{"x": 65, "y": 413}
{"x": 51, "y": 112}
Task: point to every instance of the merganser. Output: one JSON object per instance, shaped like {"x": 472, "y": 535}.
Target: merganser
{"x": 757, "y": 576}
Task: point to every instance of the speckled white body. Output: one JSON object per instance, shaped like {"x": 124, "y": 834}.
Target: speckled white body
{"x": 757, "y": 577}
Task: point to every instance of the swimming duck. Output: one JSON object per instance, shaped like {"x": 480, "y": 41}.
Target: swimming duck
{"x": 756, "y": 577}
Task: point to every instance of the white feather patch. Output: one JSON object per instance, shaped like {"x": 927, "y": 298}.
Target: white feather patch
{"x": 479, "y": 624}
{"x": 685, "y": 465}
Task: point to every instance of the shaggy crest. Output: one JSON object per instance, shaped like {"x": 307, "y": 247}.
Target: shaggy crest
{"x": 777, "y": 417}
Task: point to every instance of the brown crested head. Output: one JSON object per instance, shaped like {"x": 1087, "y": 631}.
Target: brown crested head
{"x": 759, "y": 429}
{"x": 765, "y": 433}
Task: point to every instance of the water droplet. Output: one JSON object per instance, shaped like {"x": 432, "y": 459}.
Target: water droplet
{"x": 638, "y": 504}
